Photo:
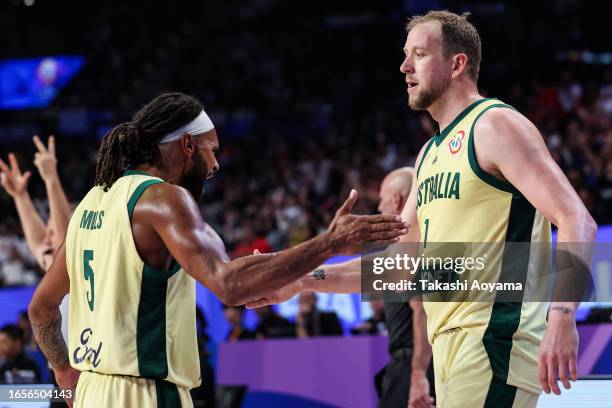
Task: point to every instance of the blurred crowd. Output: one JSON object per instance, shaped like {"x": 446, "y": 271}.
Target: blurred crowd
{"x": 305, "y": 108}
{"x": 275, "y": 191}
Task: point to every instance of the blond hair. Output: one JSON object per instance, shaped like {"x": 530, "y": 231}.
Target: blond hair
{"x": 458, "y": 36}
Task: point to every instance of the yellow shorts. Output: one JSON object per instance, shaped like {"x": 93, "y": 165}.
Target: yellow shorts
{"x": 99, "y": 390}
{"x": 464, "y": 377}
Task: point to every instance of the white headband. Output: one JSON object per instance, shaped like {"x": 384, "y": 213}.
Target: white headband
{"x": 197, "y": 126}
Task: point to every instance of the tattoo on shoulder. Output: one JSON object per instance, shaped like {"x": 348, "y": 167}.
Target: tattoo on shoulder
{"x": 319, "y": 274}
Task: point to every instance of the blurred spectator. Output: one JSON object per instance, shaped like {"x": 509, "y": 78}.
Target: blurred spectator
{"x": 17, "y": 368}
{"x": 14, "y": 272}
{"x": 311, "y": 322}
{"x": 272, "y": 325}
{"x": 233, "y": 314}
{"x": 375, "y": 324}
{"x": 42, "y": 240}
{"x": 250, "y": 242}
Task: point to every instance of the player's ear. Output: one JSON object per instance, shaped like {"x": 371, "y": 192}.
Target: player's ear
{"x": 188, "y": 144}
{"x": 460, "y": 62}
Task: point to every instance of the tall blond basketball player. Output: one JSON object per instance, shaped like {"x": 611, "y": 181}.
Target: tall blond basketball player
{"x": 508, "y": 189}
{"x": 135, "y": 247}
{"x": 485, "y": 177}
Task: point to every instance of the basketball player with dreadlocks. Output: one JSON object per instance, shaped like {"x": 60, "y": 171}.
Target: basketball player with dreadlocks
{"x": 135, "y": 246}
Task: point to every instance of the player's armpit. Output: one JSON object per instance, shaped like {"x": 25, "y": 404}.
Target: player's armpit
{"x": 174, "y": 218}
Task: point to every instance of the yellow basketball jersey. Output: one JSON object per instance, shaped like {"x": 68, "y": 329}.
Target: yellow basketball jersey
{"x": 126, "y": 318}
{"x": 458, "y": 202}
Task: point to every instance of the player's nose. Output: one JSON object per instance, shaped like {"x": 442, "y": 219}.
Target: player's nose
{"x": 406, "y": 66}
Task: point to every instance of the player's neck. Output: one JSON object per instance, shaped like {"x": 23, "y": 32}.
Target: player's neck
{"x": 451, "y": 104}
{"x": 156, "y": 172}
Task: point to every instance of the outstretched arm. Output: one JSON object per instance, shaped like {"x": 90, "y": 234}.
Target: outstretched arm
{"x": 16, "y": 185}
{"x": 175, "y": 217}
{"x": 59, "y": 207}
{"x": 344, "y": 277}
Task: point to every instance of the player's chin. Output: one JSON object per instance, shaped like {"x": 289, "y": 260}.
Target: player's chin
{"x": 414, "y": 104}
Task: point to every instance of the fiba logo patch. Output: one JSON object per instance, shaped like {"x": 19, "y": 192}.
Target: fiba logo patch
{"x": 456, "y": 142}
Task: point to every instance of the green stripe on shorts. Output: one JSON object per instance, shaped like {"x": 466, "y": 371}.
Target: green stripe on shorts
{"x": 167, "y": 394}
{"x": 506, "y": 316}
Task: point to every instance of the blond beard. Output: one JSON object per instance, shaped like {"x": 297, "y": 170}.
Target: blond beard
{"x": 427, "y": 96}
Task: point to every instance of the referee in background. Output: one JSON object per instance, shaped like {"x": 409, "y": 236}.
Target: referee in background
{"x": 410, "y": 368}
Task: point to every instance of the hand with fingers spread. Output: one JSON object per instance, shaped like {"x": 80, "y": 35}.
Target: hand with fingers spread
{"x": 45, "y": 159}
{"x": 344, "y": 209}
{"x": 14, "y": 182}
{"x": 557, "y": 359}
{"x": 350, "y": 232}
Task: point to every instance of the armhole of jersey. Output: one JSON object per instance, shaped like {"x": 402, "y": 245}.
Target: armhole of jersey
{"x": 136, "y": 195}
{"x": 478, "y": 171}
{"x": 148, "y": 270}
{"x": 424, "y": 155}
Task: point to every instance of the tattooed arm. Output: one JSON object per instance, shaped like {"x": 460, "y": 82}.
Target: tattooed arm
{"x": 342, "y": 277}
{"x": 48, "y": 335}
{"x": 47, "y": 322}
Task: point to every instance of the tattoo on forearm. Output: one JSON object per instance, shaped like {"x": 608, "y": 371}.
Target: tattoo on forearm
{"x": 319, "y": 274}
{"x": 49, "y": 337}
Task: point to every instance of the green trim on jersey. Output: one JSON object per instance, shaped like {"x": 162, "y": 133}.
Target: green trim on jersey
{"x": 135, "y": 173}
{"x": 149, "y": 270}
{"x": 151, "y": 326}
{"x": 506, "y": 316}
{"x": 153, "y": 273}
{"x": 424, "y": 155}
{"x": 151, "y": 320}
{"x": 483, "y": 175}
{"x": 137, "y": 193}
{"x": 175, "y": 267}
{"x": 439, "y": 137}
{"x": 167, "y": 394}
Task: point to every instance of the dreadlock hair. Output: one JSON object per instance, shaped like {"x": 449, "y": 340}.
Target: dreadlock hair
{"x": 134, "y": 143}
